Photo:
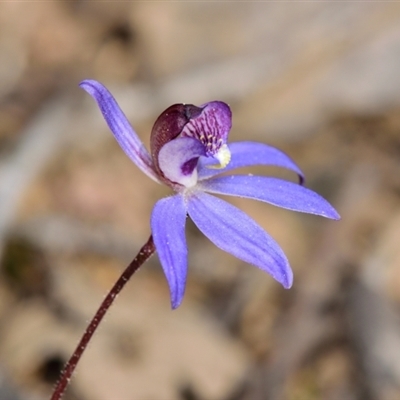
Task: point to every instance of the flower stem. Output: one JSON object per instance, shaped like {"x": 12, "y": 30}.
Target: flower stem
{"x": 144, "y": 254}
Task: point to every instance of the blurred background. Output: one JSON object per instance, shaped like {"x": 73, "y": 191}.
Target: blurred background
{"x": 320, "y": 80}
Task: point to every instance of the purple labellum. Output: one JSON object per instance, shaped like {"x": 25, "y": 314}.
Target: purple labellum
{"x": 211, "y": 127}
{"x": 183, "y": 133}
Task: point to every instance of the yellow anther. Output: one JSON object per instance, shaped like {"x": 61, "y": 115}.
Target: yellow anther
{"x": 223, "y": 156}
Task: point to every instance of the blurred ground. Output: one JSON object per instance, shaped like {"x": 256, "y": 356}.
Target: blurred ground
{"x": 319, "y": 80}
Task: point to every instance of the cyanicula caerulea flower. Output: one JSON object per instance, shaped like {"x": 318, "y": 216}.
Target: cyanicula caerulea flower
{"x": 189, "y": 152}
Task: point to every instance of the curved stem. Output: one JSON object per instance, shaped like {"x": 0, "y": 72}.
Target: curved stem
{"x": 144, "y": 254}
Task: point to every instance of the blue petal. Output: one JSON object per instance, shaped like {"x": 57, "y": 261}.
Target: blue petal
{"x": 233, "y": 231}
{"x": 271, "y": 190}
{"x": 120, "y": 127}
{"x": 246, "y": 154}
{"x": 168, "y": 229}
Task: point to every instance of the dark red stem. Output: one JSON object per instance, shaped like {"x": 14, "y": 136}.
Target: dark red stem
{"x": 144, "y": 254}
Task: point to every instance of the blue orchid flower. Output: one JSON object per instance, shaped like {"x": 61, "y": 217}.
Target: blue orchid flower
{"x": 189, "y": 152}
